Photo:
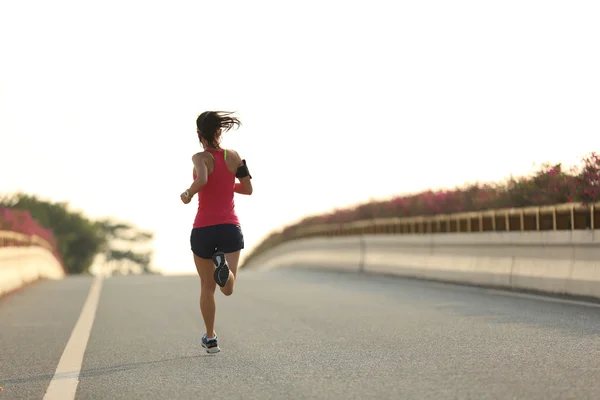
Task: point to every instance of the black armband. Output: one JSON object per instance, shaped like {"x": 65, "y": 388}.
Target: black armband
{"x": 243, "y": 171}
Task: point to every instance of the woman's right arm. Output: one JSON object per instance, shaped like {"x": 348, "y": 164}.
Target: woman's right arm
{"x": 201, "y": 174}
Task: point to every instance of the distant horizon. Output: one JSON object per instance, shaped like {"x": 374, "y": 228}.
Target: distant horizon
{"x": 535, "y": 167}
{"x": 370, "y": 101}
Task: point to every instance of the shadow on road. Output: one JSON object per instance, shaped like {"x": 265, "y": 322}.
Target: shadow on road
{"x": 97, "y": 371}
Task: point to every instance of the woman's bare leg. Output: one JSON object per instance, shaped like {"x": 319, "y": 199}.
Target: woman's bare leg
{"x": 205, "y": 268}
{"x": 232, "y": 261}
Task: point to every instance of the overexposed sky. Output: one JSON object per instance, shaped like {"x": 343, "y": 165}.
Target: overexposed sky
{"x": 340, "y": 101}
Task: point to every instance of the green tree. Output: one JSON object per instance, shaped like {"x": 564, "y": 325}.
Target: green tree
{"x": 120, "y": 234}
{"x": 79, "y": 238}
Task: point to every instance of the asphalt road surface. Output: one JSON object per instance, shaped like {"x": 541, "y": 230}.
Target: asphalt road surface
{"x": 295, "y": 334}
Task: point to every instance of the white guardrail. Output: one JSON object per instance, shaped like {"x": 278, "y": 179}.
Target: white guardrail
{"x": 25, "y": 259}
{"x": 557, "y": 257}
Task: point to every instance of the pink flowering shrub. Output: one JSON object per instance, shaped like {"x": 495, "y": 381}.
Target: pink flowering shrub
{"x": 550, "y": 184}
{"x": 21, "y": 222}
{"x": 588, "y": 181}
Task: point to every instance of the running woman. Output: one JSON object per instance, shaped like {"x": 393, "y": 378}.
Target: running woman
{"x": 216, "y": 239}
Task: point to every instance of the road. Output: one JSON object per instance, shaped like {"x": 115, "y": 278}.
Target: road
{"x": 299, "y": 334}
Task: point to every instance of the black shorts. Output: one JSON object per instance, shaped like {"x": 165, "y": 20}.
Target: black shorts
{"x": 207, "y": 240}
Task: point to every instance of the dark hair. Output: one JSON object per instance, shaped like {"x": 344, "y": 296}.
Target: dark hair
{"x": 209, "y": 122}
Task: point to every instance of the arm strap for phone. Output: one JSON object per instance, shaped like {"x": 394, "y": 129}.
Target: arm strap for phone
{"x": 243, "y": 171}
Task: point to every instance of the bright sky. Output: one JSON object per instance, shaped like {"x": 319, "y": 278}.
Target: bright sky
{"x": 340, "y": 101}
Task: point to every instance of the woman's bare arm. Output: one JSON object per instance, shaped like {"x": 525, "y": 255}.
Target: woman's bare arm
{"x": 201, "y": 174}
{"x": 244, "y": 186}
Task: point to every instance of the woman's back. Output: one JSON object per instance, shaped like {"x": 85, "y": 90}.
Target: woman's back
{"x": 216, "y": 203}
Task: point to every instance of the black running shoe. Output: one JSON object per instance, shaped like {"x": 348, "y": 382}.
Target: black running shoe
{"x": 222, "y": 269}
{"x": 211, "y": 345}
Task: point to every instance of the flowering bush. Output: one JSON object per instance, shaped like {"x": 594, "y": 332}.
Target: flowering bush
{"x": 21, "y": 222}
{"x": 588, "y": 181}
{"x": 550, "y": 184}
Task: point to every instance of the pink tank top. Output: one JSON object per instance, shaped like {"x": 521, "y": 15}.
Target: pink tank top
{"x": 215, "y": 200}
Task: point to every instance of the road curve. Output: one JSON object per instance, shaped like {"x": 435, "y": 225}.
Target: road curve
{"x": 299, "y": 334}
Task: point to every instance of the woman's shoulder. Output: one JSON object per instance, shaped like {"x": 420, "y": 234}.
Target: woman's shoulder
{"x": 201, "y": 155}
{"x": 233, "y": 153}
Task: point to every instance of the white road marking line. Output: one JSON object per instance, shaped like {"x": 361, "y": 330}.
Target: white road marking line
{"x": 66, "y": 377}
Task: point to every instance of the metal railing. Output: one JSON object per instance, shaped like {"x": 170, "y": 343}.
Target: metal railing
{"x": 16, "y": 239}
{"x": 570, "y": 216}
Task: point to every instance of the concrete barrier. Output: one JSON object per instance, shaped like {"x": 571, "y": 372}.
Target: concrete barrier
{"x": 313, "y": 253}
{"x": 22, "y": 265}
{"x": 558, "y": 262}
